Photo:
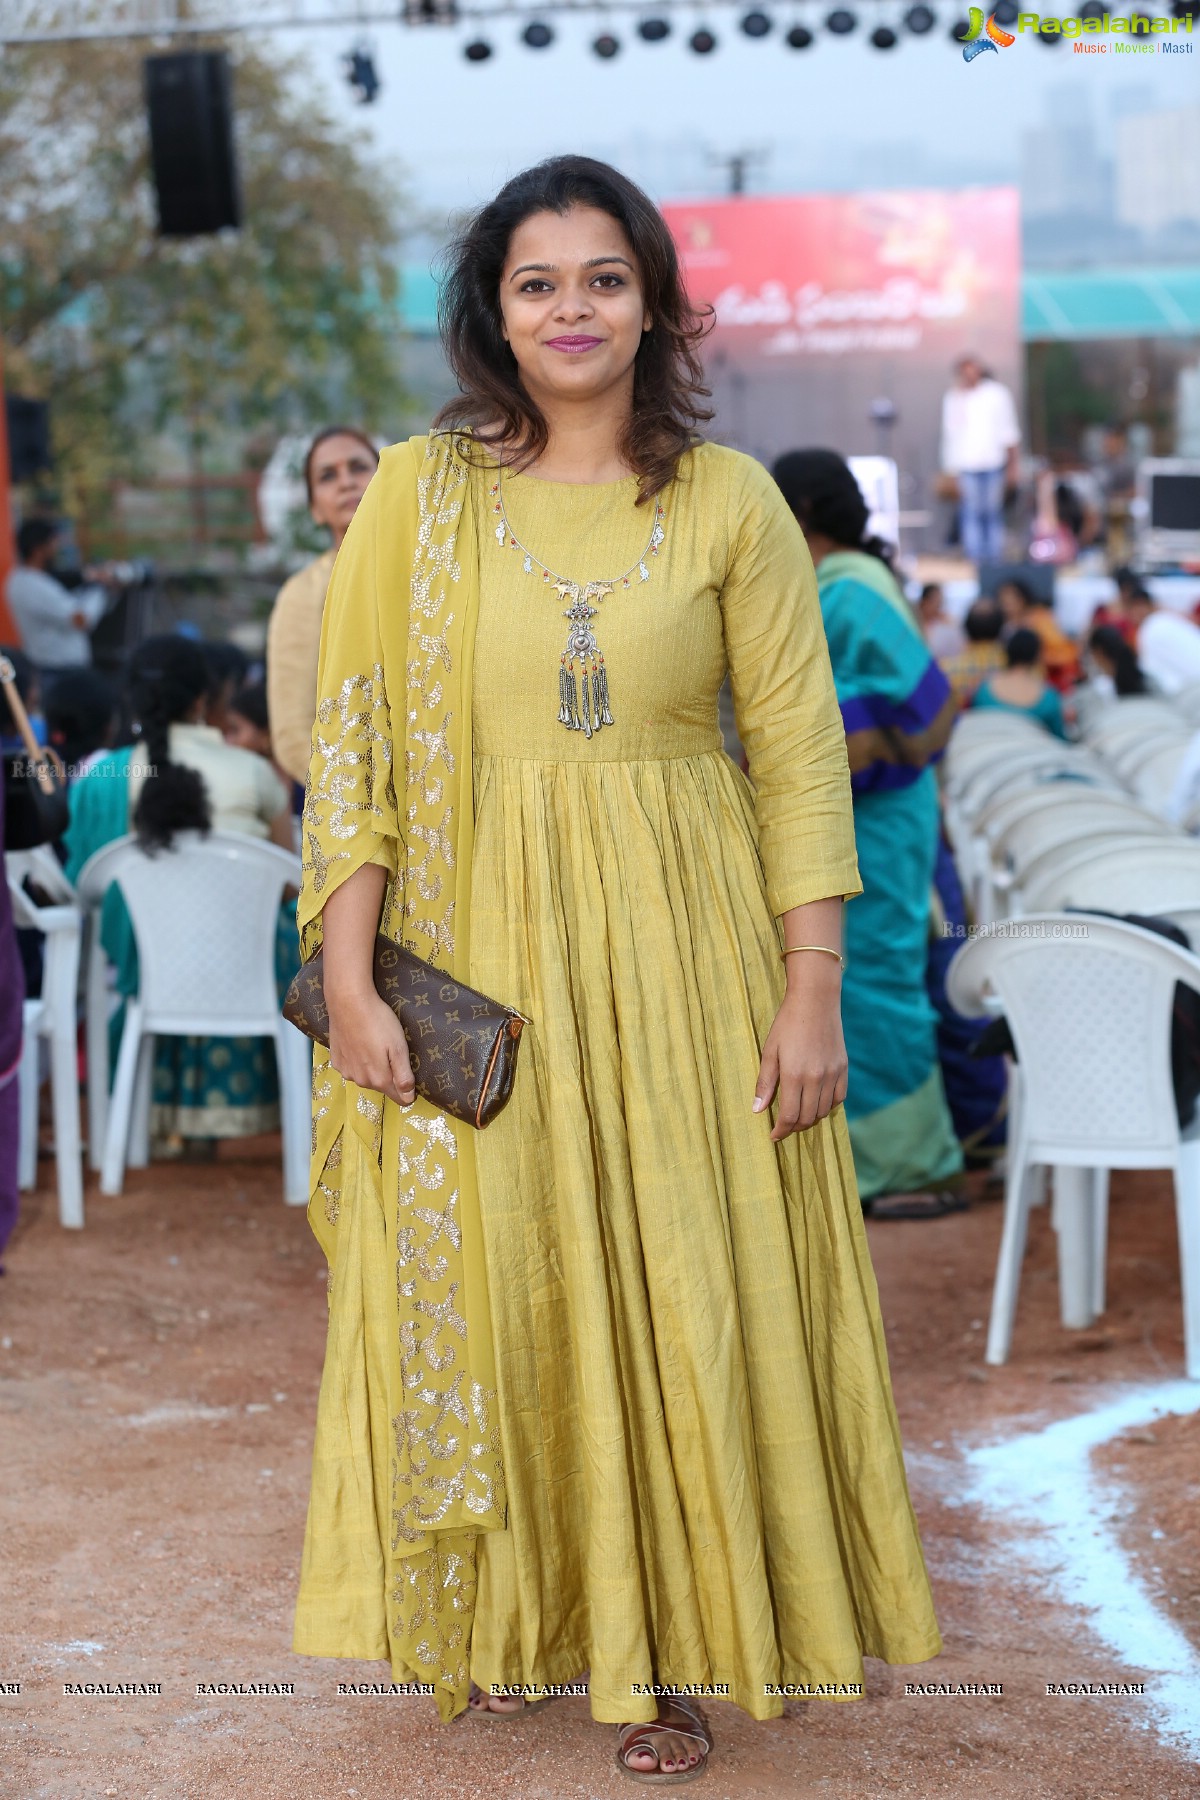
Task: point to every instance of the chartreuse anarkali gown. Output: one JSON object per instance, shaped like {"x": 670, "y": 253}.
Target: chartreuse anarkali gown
{"x": 702, "y": 1466}
{"x": 702, "y": 1460}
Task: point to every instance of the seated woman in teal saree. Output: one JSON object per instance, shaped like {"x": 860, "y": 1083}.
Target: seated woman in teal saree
{"x": 897, "y": 710}
{"x": 203, "y": 1087}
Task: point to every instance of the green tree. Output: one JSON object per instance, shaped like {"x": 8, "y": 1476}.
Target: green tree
{"x": 289, "y": 319}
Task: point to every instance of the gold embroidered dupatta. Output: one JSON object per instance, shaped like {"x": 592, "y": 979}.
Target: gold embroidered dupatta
{"x": 406, "y": 1465}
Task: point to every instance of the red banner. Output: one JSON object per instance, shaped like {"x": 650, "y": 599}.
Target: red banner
{"x": 924, "y": 273}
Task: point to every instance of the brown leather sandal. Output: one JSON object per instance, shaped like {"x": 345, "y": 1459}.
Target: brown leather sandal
{"x": 678, "y": 1716}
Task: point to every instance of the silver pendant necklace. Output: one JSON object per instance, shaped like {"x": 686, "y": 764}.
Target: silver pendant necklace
{"x": 582, "y": 657}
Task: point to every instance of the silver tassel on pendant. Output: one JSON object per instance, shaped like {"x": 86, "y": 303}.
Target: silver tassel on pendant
{"x": 589, "y": 711}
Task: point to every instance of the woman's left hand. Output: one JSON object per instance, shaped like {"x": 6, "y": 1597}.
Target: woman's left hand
{"x": 804, "y": 1057}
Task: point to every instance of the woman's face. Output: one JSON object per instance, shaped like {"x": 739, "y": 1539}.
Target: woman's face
{"x": 571, "y": 305}
{"x": 341, "y": 470}
{"x": 1011, "y": 603}
{"x": 244, "y": 734}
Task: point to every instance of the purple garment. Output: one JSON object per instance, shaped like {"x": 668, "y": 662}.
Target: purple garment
{"x": 12, "y": 999}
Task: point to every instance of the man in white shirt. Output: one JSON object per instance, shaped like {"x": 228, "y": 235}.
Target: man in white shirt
{"x": 1168, "y": 645}
{"x": 980, "y": 441}
{"x": 55, "y": 623}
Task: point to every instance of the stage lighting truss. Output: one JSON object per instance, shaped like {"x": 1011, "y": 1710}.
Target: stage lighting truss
{"x": 882, "y": 24}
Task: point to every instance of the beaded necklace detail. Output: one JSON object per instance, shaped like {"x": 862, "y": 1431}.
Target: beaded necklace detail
{"x": 581, "y": 647}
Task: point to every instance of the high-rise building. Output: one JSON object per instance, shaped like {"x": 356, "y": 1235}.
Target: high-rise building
{"x": 1157, "y": 158}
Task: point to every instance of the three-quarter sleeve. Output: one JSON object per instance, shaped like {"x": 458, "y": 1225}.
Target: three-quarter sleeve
{"x": 785, "y": 702}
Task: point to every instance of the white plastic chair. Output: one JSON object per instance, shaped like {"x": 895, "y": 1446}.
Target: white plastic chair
{"x": 1042, "y": 812}
{"x": 1027, "y": 839}
{"x": 985, "y": 752}
{"x": 1131, "y": 757}
{"x": 1187, "y": 702}
{"x": 1188, "y": 920}
{"x": 1037, "y": 849}
{"x": 1004, "y": 775}
{"x": 204, "y": 915}
{"x": 975, "y": 729}
{"x": 1125, "y": 719}
{"x": 1091, "y": 1021}
{"x": 1153, "y": 781}
{"x": 1139, "y": 874}
{"x": 54, "y": 1018}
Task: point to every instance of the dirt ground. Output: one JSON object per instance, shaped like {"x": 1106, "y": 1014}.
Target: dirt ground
{"x": 158, "y": 1379}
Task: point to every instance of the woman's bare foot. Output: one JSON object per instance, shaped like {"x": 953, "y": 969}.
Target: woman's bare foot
{"x": 503, "y": 1704}
{"x": 676, "y": 1743}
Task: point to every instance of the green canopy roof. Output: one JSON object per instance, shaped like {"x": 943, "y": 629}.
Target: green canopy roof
{"x": 1108, "y": 303}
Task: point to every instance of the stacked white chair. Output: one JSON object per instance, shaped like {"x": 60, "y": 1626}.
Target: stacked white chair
{"x": 1064, "y": 824}
{"x": 204, "y": 915}
{"x": 1153, "y": 778}
{"x": 51, "y": 1019}
{"x": 1090, "y": 1017}
{"x": 1140, "y": 874}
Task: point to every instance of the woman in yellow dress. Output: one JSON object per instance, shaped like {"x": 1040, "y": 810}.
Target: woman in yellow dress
{"x": 580, "y": 1409}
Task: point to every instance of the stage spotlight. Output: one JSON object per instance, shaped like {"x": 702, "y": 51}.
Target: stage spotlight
{"x": 1005, "y": 12}
{"x": 360, "y": 73}
{"x": 654, "y": 30}
{"x": 606, "y": 46}
{"x": 478, "y": 50}
{"x": 1092, "y": 9}
{"x": 920, "y": 19}
{"x": 1140, "y": 25}
{"x": 841, "y": 21}
{"x": 537, "y": 35}
{"x": 799, "y": 38}
{"x": 884, "y": 38}
{"x": 756, "y": 25}
{"x": 703, "y": 42}
{"x": 959, "y": 30}
{"x": 1181, "y": 9}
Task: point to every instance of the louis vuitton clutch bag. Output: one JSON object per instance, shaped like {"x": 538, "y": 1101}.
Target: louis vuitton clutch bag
{"x": 462, "y": 1046}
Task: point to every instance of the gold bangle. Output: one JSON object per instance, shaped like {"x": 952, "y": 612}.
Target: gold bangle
{"x": 823, "y": 948}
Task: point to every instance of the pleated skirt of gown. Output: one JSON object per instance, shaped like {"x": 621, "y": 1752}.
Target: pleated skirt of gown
{"x": 704, "y": 1471}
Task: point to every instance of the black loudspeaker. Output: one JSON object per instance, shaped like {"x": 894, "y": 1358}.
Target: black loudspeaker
{"x": 28, "y": 425}
{"x": 189, "y": 102}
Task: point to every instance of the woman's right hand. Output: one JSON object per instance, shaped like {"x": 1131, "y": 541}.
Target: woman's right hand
{"x": 367, "y": 1046}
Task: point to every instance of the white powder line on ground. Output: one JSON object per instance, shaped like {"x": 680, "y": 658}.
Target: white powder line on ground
{"x": 1045, "y": 1480}
{"x": 181, "y": 1412}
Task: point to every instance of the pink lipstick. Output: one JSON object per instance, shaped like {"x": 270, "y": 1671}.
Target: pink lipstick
{"x": 573, "y": 346}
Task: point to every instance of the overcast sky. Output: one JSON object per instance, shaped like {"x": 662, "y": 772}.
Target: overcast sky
{"x": 840, "y": 114}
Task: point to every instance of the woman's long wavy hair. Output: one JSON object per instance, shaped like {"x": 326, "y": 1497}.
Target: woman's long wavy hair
{"x": 167, "y": 675}
{"x": 668, "y": 379}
